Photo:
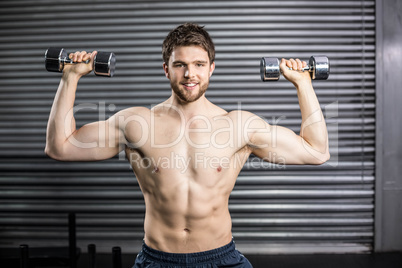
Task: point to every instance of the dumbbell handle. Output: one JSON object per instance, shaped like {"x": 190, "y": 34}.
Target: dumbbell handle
{"x": 70, "y": 61}
{"x": 307, "y": 68}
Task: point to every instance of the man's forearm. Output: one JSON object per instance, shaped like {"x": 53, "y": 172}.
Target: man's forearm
{"x": 313, "y": 128}
{"x": 61, "y": 122}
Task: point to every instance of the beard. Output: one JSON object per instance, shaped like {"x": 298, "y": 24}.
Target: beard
{"x": 188, "y": 96}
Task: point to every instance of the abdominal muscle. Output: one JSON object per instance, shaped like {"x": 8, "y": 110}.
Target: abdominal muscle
{"x": 186, "y": 216}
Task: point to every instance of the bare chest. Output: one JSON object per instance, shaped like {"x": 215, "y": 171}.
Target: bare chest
{"x": 200, "y": 145}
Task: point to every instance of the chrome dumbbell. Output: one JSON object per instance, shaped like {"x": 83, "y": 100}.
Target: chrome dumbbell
{"x": 56, "y": 58}
{"x": 318, "y": 66}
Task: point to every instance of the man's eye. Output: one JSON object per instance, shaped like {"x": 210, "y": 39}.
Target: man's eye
{"x": 179, "y": 65}
{"x": 200, "y": 65}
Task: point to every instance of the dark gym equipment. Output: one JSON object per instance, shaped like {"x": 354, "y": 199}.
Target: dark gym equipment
{"x": 32, "y": 256}
{"x": 116, "y": 251}
{"x": 56, "y": 58}
{"x": 92, "y": 255}
{"x": 318, "y": 67}
{"x": 72, "y": 240}
{"x": 24, "y": 256}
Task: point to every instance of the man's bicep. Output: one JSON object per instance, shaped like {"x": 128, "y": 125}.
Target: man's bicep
{"x": 95, "y": 141}
{"x": 282, "y": 146}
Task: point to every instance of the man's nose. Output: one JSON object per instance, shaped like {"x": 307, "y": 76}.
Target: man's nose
{"x": 190, "y": 72}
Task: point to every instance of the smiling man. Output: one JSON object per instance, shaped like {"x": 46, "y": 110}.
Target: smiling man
{"x": 186, "y": 152}
{"x": 189, "y": 72}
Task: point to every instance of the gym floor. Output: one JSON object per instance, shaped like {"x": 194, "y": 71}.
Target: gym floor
{"x": 378, "y": 260}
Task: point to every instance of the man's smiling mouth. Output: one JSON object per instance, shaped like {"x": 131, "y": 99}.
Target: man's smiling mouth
{"x": 190, "y": 85}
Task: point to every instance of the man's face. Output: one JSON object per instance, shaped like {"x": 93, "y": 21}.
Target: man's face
{"x": 189, "y": 71}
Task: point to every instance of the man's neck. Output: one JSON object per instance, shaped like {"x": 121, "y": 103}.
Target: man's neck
{"x": 189, "y": 109}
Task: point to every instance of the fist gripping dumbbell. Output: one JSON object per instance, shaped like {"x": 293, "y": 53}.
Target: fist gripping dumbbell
{"x": 318, "y": 66}
{"x": 56, "y": 58}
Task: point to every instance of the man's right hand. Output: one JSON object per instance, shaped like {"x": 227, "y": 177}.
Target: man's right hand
{"x": 80, "y": 68}
{"x": 295, "y": 74}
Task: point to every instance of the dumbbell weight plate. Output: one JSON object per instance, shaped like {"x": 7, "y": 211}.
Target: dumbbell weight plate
{"x": 53, "y": 59}
{"x": 320, "y": 67}
{"x": 269, "y": 69}
{"x": 104, "y": 63}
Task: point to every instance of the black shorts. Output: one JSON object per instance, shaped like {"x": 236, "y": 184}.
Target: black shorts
{"x": 226, "y": 256}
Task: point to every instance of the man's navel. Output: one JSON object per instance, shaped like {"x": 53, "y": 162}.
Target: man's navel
{"x": 155, "y": 170}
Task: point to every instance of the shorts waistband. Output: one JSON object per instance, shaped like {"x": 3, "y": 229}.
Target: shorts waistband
{"x": 188, "y": 258}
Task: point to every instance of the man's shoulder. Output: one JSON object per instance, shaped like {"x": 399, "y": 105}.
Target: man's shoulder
{"x": 240, "y": 114}
{"x": 246, "y": 119}
{"x": 137, "y": 110}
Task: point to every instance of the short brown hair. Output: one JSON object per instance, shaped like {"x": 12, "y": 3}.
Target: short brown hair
{"x": 188, "y": 34}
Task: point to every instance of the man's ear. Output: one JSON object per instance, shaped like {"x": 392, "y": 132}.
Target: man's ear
{"x": 211, "y": 69}
{"x": 166, "y": 69}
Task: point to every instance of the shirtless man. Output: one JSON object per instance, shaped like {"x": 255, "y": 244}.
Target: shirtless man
{"x": 186, "y": 152}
